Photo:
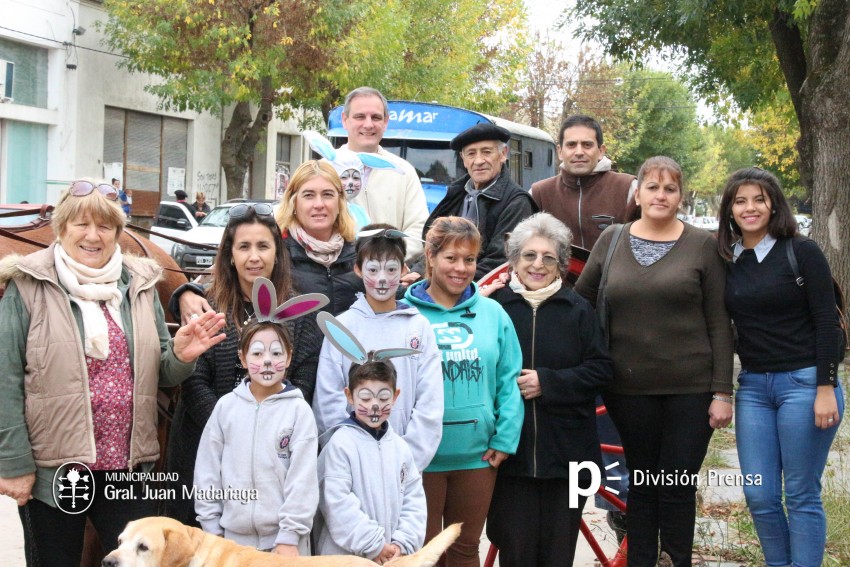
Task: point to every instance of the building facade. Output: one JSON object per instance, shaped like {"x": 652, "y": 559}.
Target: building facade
{"x": 67, "y": 111}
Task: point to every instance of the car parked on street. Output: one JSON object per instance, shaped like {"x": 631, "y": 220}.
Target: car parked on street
{"x": 172, "y": 219}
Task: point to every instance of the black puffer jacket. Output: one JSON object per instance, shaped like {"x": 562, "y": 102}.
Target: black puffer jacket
{"x": 564, "y": 343}
{"x": 500, "y": 209}
{"x": 339, "y": 282}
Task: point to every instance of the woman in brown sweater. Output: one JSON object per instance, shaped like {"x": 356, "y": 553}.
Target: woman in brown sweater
{"x": 671, "y": 342}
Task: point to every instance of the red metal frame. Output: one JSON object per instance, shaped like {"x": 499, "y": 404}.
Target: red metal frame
{"x": 619, "y": 558}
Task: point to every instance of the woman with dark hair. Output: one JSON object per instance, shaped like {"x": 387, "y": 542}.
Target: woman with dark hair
{"x": 251, "y": 247}
{"x": 789, "y": 400}
{"x": 481, "y": 362}
{"x": 671, "y": 343}
{"x": 565, "y": 366}
{"x": 319, "y": 234}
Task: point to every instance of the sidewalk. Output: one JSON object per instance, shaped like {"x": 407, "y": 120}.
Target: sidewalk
{"x": 12, "y": 537}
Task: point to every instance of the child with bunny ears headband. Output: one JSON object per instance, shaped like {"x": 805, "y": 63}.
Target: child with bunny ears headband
{"x": 372, "y": 502}
{"x": 349, "y": 166}
{"x": 261, "y": 440}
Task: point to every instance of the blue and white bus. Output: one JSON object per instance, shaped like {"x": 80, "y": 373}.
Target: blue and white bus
{"x": 420, "y": 133}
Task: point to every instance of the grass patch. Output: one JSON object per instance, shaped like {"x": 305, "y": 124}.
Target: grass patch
{"x": 726, "y": 531}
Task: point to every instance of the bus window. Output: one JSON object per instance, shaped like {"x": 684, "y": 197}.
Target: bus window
{"x": 434, "y": 161}
{"x": 392, "y": 146}
{"x": 515, "y": 161}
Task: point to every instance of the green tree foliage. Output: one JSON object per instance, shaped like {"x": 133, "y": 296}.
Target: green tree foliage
{"x": 258, "y": 57}
{"x": 773, "y": 135}
{"x": 753, "y": 50}
{"x": 657, "y": 116}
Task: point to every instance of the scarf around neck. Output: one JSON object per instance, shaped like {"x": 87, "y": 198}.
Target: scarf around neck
{"x": 87, "y": 287}
{"x": 320, "y": 251}
{"x": 534, "y": 298}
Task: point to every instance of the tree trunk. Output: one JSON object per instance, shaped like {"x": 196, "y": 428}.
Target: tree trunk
{"x": 241, "y": 138}
{"x": 826, "y": 124}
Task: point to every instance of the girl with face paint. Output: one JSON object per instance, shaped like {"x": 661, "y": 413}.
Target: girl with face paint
{"x": 380, "y": 321}
{"x": 261, "y": 441}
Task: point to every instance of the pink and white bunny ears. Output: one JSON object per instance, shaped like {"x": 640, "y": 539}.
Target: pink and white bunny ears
{"x": 343, "y": 159}
{"x": 264, "y": 298}
{"x": 345, "y": 342}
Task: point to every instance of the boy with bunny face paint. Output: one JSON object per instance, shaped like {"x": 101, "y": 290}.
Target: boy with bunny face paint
{"x": 372, "y": 502}
{"x": 261, "y": 441}
{"x": 380, "y": 321}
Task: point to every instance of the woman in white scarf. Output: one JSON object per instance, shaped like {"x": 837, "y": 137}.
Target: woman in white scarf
{"x": 565, "y": 365}
{"x": 92, "y": 407}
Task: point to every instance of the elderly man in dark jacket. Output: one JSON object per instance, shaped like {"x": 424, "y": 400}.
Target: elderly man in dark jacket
{"x": 486, "y": 195}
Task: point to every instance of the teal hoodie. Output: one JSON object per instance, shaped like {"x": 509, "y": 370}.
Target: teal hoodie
{"x": 481, "y": 361}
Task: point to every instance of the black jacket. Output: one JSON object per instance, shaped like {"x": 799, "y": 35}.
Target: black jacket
{"x": 339, "y": 282}
{"x": 564, "y": 343}
{"x": 500, "y": 209}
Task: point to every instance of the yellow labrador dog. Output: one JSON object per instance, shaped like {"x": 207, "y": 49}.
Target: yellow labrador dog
{"x": 164, "y": 542}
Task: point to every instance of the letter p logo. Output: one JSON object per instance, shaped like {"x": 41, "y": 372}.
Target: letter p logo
{"x": 575, "y": 489}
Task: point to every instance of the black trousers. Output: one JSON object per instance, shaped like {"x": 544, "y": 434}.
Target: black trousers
{"x": 665, "y": 439}
{"x": 531, "y": 523}
{"x": 53, "y": 538}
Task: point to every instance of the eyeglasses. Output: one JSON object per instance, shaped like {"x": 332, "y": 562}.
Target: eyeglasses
{"x": 531, "y": 257}
{"x": 242, "y": 210}
{"x": 83, "y": 188}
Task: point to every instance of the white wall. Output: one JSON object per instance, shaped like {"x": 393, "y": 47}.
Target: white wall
{"x": 77, "y": 100}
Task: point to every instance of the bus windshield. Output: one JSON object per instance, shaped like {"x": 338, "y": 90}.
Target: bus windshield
{"x": 434, "y": 162}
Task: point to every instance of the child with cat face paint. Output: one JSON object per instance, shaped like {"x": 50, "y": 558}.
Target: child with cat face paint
{"x": 379, "y": 321}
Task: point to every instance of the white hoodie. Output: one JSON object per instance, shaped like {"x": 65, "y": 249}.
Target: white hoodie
{"x": 418, "y": 413}
{"x": 268, "y": 448}
{"x": 371, "y": 494}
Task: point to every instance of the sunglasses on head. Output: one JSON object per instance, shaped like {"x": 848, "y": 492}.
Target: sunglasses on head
{"x": 385, "y": 233}
{"x": 244, "y": 210}
{"x": 83, "y": 188}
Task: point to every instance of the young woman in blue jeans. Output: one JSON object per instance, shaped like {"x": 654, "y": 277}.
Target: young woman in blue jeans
{"x": 789, "y": 400}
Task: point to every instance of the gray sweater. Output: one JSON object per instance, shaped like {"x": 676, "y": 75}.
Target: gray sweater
{"x": 268, "y": 448}
{"x": 670, "y": 332}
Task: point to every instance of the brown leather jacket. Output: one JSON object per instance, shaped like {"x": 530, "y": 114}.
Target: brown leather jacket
{"x": 606, "y": 195}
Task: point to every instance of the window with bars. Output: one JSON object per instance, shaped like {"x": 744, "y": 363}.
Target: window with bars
{"x": 147, "y": 145}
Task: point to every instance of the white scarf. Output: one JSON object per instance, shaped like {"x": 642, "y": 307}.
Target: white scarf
{"x": 87, "y": 287}
{"x": 534, "y": 298}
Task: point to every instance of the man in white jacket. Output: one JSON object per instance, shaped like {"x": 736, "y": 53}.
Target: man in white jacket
{"x": 387, "y": 196}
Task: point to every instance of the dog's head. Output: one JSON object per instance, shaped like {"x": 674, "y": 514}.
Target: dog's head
{"x": 152, "y": 542}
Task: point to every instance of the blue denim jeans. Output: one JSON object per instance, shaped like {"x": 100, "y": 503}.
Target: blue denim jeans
{"x": 777, "y": 436}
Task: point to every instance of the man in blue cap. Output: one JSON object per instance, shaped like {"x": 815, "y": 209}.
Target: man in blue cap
{"x": 486, "y": 195}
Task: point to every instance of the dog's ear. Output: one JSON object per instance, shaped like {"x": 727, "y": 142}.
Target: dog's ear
{"x": 178, "y": 551}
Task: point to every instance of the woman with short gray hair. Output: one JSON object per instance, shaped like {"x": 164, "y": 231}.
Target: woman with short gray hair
{"x": 565, "y": 365}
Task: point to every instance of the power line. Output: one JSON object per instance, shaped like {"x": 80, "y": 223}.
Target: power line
{"x": 64, "y": 43}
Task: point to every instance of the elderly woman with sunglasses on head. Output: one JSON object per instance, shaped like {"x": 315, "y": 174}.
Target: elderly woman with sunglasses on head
{"x": 250, "y": 247}
{"x": 318, "y": 232}
{"x": 565, "y": 366}
{"x": 84, "y": 347}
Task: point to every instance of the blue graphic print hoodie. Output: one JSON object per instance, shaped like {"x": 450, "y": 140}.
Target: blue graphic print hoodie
{"x": 481, "y": 361}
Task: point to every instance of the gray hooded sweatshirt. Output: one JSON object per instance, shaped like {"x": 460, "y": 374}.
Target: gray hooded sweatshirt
{"x": 263, "y": 456}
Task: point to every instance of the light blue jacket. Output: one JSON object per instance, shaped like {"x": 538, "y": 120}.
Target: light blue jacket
{"x": 417, "y": 414}
{"x": 371, "y": 494}
{"x": 269, "y": 448}
{"x": 481, "y": 361}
